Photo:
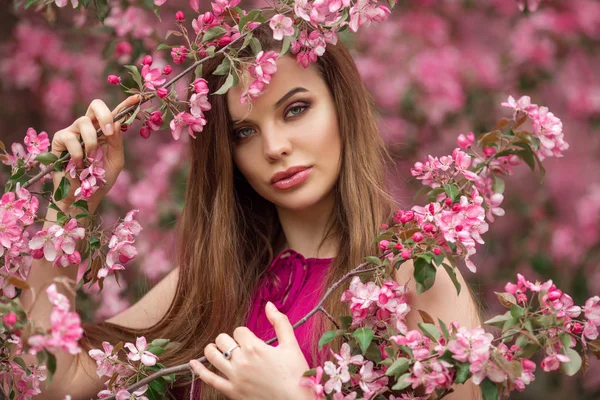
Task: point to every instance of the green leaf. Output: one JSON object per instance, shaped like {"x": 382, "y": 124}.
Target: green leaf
{"x": 498, "y": 185}
{"x": 329, "y": 336}
{"x": 63, "y": 189}
{"x": 46, "y": 158}
{"x": 346, "y": 321}
{"x": 499, "y": 320}
{"x": 255, "y": 46}
{"x": 160, "y": 342}
{"x": 310, "y": 372}
{"x": 430, "y": 330}
{"x": 81, "y": 204}
{"x": 229, "y": 83}
{"x": 572, "y": 367}
{"x": 373, "y": 353}
{"x": 101, "y": 9}
{"x": 462, "y": 373}
{"x": 132, "y": 117}
{"x": 223, "y": 68}
{"x": 516, "y": 311}
{"x": 51, "y": 365}
{"x": 527, "y": 156}
{"x": 85, "y": 3}
{"x": 424, "y": 275}
{"x": 198, "y": 72}
{"x": 163, "y": 46}
{"x": 213, "y": 33}
{"x": 20, "y": 361}
{"x": 374, "y": 260}
{"x": 156, "y": 389}
{"x": 31, "y": 2}
{"x": 398, "y": 367}
{"x": 135, "y": 74}
{"x": 285, "y": 46}
{"x": 444, "y": 329}
{"x": 157, "y": 351}
{"x": 402, "y": 383}
{"x": 451, "y": 190}
{"x": 363, "y": 336}
{"x": 489, "y": 390}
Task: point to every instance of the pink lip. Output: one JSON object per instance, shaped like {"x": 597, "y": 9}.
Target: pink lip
{"x": 287, "y": 173}
{"x": 294, "y": 180}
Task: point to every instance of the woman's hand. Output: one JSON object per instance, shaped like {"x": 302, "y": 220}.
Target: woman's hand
{"x": 98, "y": 115}
{"x": 257, "y": 370}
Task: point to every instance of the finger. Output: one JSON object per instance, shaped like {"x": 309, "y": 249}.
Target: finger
{"x": 210, "y": 378}
{"x": 67, "y": 140}
{"x": 283, "y": 329}
{"x": 87, "y": 130}
{"x": 247, "y": 339}
{"x": 224, "y": 342}
{"x": 216, "y": 358}
{"x": 99, "y": 112}
{"x": 128, "y": 102}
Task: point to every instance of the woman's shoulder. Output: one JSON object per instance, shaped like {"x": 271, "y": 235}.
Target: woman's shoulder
{"x": 151, "y": 308}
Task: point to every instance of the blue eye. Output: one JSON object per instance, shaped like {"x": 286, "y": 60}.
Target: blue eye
{"x": 295, "y": 111}
{"x": 239, "y": 135}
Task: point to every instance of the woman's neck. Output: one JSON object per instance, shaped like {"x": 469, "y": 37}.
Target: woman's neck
{"x": 305, "y": 229}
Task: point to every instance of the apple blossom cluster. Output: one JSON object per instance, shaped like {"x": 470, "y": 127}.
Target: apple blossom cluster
{"x": 65, "y": 330}
{"x": 141, "y": 358}
{"x": 120, "y": 245}
{"x": 212, "y": 32}
{"x": 383, "y": 358}
{"x": 24, "y": 157}
{"x": 546, "y": 126}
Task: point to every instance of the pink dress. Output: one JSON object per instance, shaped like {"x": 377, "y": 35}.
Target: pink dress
{"x": 294, "y": 284}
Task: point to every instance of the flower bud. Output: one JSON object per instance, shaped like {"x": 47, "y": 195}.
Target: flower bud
{"x": 428, "y": 227}
{"x": 37, "y": 254}
{"x": 145, "y": 132}
{"x": 405, "y": 254}
{"x": 384, "y": 226}
{"x": 576, "y": 328}
{"x": 383, "y": 244}
{"x": 437, "y": 251}
{"x": 417, "y": 237}
{"x": 162, "y": 92}
{"x": 398, "y": 246}
{"x": 465, "y": 141}
{"x": 9, "y": 319}
{"x": 489, "y": 151}
{"x": 522, "y": 298}
{"x": 456, "y": 207}
{"x": 208, "y": 18}
{"x": 114, "y": 80}
{"x": 167, "y": 69}
{"x": 448, "y": 201}
{"x": 124, "y": 128}
{"x": 179, "y": 16}
{"x": 147, "y": 60}
{"x": 407, "y": 217}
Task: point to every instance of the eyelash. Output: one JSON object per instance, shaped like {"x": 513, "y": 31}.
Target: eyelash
{"x": 304, "y": 106}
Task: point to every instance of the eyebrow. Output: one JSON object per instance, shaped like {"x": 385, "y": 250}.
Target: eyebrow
{"x": 283, "y": 99}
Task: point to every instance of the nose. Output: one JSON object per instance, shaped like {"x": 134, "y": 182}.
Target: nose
{"x": 276, "y": 143}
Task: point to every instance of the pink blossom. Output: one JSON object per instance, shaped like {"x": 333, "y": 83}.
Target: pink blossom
{"x": 523, "y": 105}
{"x": 9, "y": 319}
{"x": 592, "y": 310}
{"x": 314, "y": 383}
{"x": 281, "y": 26}
{"x": 62, "y": 3}
{"x": 47, "y": 240}
{"x": 186, "y": 121}
{"x": 528, "y": 368}
{"x": 414, "y": 340}
{"x": 486, "y": 368}
{"x": 36, "y": 143}
{"x": 159, "y": 3}
{"x": 471, "y": 344}
{"x": 337, "y": 376}
{"x": 155, "y": 121}
{"x": 198, "y": 104}
{"x": 179, "y": 54}
{"x": 152, "y": 77}
{"x": 113, "y": 79}
{"x": 466, "y": 141}
{"x": 552, "y": 362}
{"x": 68, "y": 234}
{"x": 105, "y": 360}
{"x": 125, "y": 395}
{"x": 371, "y": 381}
{"x": 345, "y": 358}
{"x": 139, "y": 352}
{"x": 364, "y": 11}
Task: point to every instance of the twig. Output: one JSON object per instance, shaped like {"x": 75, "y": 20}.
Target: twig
{"x": 187, "y": 368}
{"x": 145, "y": 98}
{"x": 324, "y": 311}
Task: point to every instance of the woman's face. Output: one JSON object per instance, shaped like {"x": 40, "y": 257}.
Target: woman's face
{"x": 293, "y": 123}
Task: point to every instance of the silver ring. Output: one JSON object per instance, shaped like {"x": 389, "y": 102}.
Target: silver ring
{"x": 227, "y": 354}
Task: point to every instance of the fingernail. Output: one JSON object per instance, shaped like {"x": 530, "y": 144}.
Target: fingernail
{"x": 271, "y": 306}
{"x": 108, "y": 128}
{"x": 194, "y": 363}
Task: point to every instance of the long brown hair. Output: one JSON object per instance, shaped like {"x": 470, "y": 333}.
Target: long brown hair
{"x": 227, "y": 233}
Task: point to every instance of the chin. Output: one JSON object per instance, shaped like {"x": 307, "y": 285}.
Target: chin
{"x": 299, "y": 199}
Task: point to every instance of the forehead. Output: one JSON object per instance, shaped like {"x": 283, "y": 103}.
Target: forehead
{"x": 289, "y": 75}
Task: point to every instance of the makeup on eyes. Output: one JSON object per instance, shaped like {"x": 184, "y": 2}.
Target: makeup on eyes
{"x": 304, "y": 105}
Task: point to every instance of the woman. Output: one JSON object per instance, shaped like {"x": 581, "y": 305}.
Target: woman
{"x": 237, "y": 224}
